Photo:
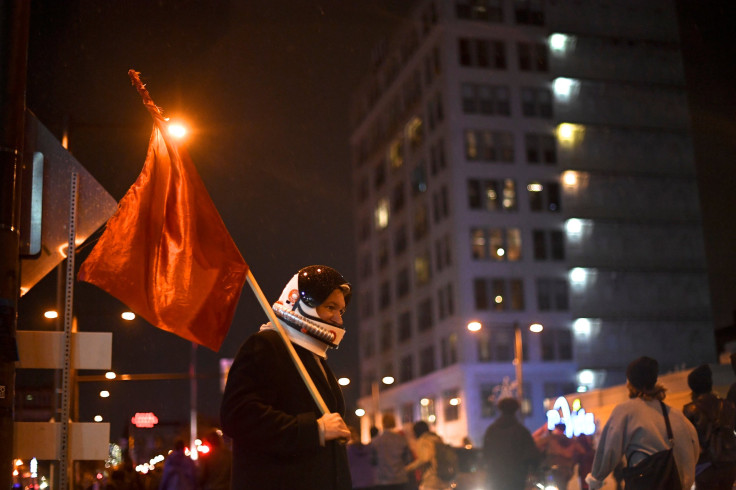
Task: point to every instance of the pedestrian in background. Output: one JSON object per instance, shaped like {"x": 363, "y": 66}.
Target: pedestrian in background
{"x": 180, "y": 472}
{"x": 715, "y": 420}
{"x": 392, "y": 455}
{"x": 216, "y": 466}
{"x": 636, "y": 428}
{"x": 425, "y": 458}
{"x": 560, "y": 454}
{"x": 509, "y": 452}
{"x": 362, "y": 460}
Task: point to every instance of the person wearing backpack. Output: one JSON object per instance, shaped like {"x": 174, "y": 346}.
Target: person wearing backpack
{"x": 643, "y": 430}
{"x": 426, "y": 460}
{"x": 714, "y": 419}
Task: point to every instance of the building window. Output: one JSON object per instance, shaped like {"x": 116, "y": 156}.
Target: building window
{"x": 421, "y": 222}
{"x": 489, "y": 10}
{"x": 418, "y": 180}
{"x": 544, "y": 196}
{"x": 427, "y": 411}
{"x": 426, "y": 361}
{"x": 405, "y": 326}
{"x": 383, "y": 254}
{"x": 384, "y": 299}
{"x": 499, "y": 294}
{"x": 556, "y": 344}
{"x": 445, "y": 301}
{"x": 548, "y": 244}
{"x": 482, "y": 145}
{"x": 402, "y": 283}
{"x": 440, "y": 202}
{"x": 407, "y": 413}
{"x": 442, "y": 252}
{"x": 425, "y": 315}
{"x": 406, "y": 369}
{"x": 415, "y": 133}
{"x": 364, "y": 228}
{"x": 495, "y": 243}
{"x": 540, "y": 148}
{"x": 497, "y": 347}
{"x": 529, "y": 12}
{"x": 396, "y": 153}
{"x": 532, "y": 57}
{"x": 482, "y": 53}
{"x": 536, "y": 102}
{"x": 452, "y": 402}
{"x": 366, "y": 266}
{"x": 401, "y": 239}
{"x": 485, "y": 99}
{"x": 366, "y": 305}
{"x": 369, "y": 346}
{"x": 379, "y": 177}
{"x": 552, "y": 294}
{"x": 398, "y": 197}
{"x": 422, "y": 269}
{"x": 449, "y": 350}
{"x": 437, "y": 162}
{"x": 492, "y": 195}
{"x": 386, "y": 336}
{"x": 381, "y": 214}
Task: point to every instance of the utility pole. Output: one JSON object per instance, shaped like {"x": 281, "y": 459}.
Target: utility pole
{"x": 14, "y": 22}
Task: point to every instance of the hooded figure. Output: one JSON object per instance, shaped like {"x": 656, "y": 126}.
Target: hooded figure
{"x": 280, "y": 438}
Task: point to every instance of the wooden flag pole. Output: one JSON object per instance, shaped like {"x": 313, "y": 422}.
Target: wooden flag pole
{"x": 284, "y": 336}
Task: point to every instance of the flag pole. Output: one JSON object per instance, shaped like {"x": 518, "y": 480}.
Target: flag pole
{"x": 284, "y": 336}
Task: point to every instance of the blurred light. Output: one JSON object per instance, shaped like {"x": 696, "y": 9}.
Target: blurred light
{"x": 177, "y": 130}
{"x": 104, "y": 394}
{"x": 558, "y": 42}
{"x": 343, "y": 381}
{"x": 578, "y": 275}
{"x": 536, "y": 327}
{"x": 500, "y": 252}
{"x": 566, "y": 132}
{"x": 110, "y": 375}
{"x": 424, "y": 402}
{"x": 499, "y": 299}
{"x": 204, "y": 449}
{"x": 98, "y": 418}
{"x": 570, "y": 178}
{"x": 359, "y": 412}
{"x": 18, "y": 462}
{"x": 454, "y": 402}
{"x": 565, "y": 88}
{"x": 51, "y": 314}
{"x": 534, "y": 187}
{"x": 34, "y": 468}
{"x": 576, "y": 404}
{"x": 388, "y": 380}
{"x": 581, "y": 326}
{"x": 432, "y": 418}
{"x": 586, "y": 377}
{"x": 128, "y": 315}
{"x": 474, "y": 326}
{"x": 582, "y": 389}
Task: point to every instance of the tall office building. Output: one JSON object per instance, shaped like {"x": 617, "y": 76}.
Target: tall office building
{"x": 522, "y": 162}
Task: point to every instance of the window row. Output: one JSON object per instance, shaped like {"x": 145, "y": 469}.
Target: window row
{"x": 491, "y": 53}
{"x": 504, "y": 244}
{"x": 529, "y": 12}
{"x": 486, "y": 145}
{"x": 556, "y": 344}
{"x": 495, "y": 100}
{"x": 507, "y": 294}
{"x": 502, "y": 195}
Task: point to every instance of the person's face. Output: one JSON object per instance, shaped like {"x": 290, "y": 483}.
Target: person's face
{"x": 333, "y": 308}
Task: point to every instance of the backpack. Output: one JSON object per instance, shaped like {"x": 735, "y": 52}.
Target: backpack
{"x": 446, "y": 459}
{"x": 722, "y": 440}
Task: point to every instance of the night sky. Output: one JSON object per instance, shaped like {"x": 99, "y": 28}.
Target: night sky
{"x": 266, "y": 86}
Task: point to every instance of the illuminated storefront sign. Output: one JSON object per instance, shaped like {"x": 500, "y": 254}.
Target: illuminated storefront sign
{"x": 576, "y": 421}
{"x": 144, "y": 420}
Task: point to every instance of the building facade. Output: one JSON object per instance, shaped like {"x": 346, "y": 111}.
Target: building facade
{"x": 520, "y": 162}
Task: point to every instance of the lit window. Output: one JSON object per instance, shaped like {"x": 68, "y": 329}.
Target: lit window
{"x": 566, "y": 88}
{"x": 382, "y": 214}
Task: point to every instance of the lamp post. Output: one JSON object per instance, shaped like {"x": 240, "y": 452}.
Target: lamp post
{"x": 475, "y": 326}
{"x": 387, "y": 380}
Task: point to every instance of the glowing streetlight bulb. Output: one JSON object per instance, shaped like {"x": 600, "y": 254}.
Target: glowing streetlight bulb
{"x": 51, "y": 314}
{"x": 104, "y": 394}
{"x": 359, "y": 412}
{"x": 343, "y": 381}
{"x": 474, "y": 326}
{"x": 110, "y": 375}
{"x": 127, "y": 315}
{"x": 388, "y": 380}
{"x": 98, "y": 418}
{"x": 536, "y": 327}
{"x": 177, "y": 130}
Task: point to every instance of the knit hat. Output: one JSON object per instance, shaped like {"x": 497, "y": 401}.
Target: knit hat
{"x": 700, "y": 379}
{"x": 508, "y": 406}
{"x": 642, "y": 373}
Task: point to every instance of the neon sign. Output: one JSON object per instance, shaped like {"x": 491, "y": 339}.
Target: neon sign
{"x": 576, "y": 422}
{"x": 144, "y": 420}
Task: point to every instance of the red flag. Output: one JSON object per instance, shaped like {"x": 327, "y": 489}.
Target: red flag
{"x": 166, "y": 252}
